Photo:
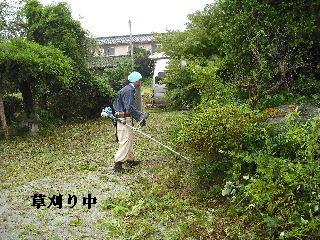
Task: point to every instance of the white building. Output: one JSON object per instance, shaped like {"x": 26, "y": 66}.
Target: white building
{"x": 120, "y": 45}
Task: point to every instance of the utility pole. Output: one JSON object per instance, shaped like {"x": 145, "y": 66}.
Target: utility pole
{"x": 131, "y": 46}
{"x": 138, "y": 89}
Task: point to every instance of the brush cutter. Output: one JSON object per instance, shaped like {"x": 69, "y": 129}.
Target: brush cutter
{"x": 107, "y": 112}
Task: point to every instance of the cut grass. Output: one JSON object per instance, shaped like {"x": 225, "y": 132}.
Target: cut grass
{"x": 156, "y": 203}
{"x": 156, "y": 210}
{"x": 70, "y": 148}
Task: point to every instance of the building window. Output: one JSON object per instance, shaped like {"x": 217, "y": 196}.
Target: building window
{"x": 109, "y": 51}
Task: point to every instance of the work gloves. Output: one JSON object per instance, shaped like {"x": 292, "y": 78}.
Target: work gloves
{"x": 143, "y": 119}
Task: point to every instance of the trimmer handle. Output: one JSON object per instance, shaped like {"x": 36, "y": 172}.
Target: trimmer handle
{"x": 107, "y": 112}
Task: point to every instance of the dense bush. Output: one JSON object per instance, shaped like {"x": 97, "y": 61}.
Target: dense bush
{"x": 267, "y": 47}
{"x": 270, "y": 170}
{"x": 85, "y": 99}
{"x": 214, "y": 128}
{"x": 197, "y": 81}
{"x": 276, "y": 187}
{"x": 12, "y": 104}
{"x": 180, "y": 90}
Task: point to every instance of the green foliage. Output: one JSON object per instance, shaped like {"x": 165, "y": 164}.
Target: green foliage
{"x": 24, "y": 60}
{"x": 142, "y": 63}
{"x": 213, "y": 128}
{"x": 181, "y": 92}
{"x": 278, "y": 183}
{"x": 270, "y": 170}
{"x": 86, "y": 94}
{"x": 81, "y": 100}
{"x": 28, "y": 65}
{"x": 277, "y": 51}
{"x": 207, "y": 81}
{"x": 12, "y": 105}
{"x": 53, "y": 25}
{"x": 197, "y": 81}
{"x": 94, "y": 94}
{"x": 118, "y": 75}
{"x": 264, "y": 47}
{"x": 265, "y": 53}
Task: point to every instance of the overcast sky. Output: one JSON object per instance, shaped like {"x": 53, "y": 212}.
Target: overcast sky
{"x": 110, "y": 17}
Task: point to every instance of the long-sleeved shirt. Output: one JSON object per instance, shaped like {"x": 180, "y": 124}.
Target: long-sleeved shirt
{"x": 126, "y": 102}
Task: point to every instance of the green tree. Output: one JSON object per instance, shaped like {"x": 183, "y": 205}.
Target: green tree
{"x": 142, "y": 63}
{"x": 53, "y": 25}
{"x": 27, "y": 65}
{"x": 279, "y": 46}
{"x": 267, "y": 47}
{"x": 10, "y": 25}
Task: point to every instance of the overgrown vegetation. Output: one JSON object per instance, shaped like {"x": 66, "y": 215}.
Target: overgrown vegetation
{"x": 262, "y": 48}
{"x": 258, "y": 55}
{"x": 78, "y": 158}
{"x": 255, "y": 170}
{"x": 61, "y": 83}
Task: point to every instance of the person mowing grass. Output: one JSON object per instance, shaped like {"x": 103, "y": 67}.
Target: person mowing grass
{"x": 125, "y": 107}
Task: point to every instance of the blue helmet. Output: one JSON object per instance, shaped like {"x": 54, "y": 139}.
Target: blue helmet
{"x": 134, "y": 77}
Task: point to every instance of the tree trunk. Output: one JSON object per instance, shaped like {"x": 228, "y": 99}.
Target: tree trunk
{"x": 28, "y": 102}
{"x": 3, "y": 118}
{"x": 25, "y": 89}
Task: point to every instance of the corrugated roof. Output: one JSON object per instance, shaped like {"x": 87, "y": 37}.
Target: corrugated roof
{"x": 115, "y": 40}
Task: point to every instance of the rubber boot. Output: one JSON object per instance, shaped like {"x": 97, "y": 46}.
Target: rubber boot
{"x": 118, "y": 167}
{"x": 133, "y": 163}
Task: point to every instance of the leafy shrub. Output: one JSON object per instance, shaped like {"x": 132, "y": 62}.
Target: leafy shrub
{"x": 280, "y": 197}
{"x": 87, "y": 96}
{"x": 209, "y": 83}
{"x": 181, "y": 92}
{"x": 213, "y": 128}
{"x": 12, "y": 104}
{"x": 84, "y": 99}
{"x": 198, "y": 81}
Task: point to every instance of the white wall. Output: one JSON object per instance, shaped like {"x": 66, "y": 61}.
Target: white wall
{"x": 120, "y": 50}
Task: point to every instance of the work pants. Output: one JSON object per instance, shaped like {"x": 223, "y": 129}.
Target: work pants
{"x": 125, "y": 140}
